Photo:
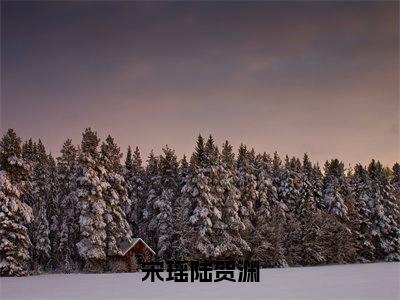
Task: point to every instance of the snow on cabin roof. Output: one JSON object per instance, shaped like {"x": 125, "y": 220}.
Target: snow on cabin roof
{"x": 126, "y": 246}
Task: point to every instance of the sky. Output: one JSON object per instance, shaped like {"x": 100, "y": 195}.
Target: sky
{"x": 295, "y": 77}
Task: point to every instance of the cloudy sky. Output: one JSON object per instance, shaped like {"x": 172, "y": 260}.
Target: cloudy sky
{"x": 316, "y": 77}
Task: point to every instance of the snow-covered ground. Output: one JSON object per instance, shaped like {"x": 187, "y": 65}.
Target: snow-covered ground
{"x": 367, "y": 281}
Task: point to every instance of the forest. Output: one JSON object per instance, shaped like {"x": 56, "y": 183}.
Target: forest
{"x": 68, "y": 214}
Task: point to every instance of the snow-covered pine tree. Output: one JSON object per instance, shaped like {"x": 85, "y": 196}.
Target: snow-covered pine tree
{"x": 28, "y": 151}
{"x": 386, "y": 214}
{"x": 396, "y": 180}
{"x": 162, "y": 219}
{"x": 197, "y": 192}
{"x": 229, "y": 236}
{"x": 40, "y": 187}
{"x": 153, "y": 190}
{"x": 267, "y": 195}
{"x": 134, "y": 177}
{"x": 42, "y": 245}
{"x": 308, "y": 216}
{"x": 271, "y": 251}
{"x": 278, "y": 171}
{"x": 364, "y": 203}
{"x": 181, "y": 214}
{"x": 310, "y": 186}
{"x": 15, "y": 215}
{"x": 289, "y": 185}
{"x": 274, "y": 251}
{"x": 247, "y": 185}
{"x": 318, "y": 183}
{"x": 115, "y": 197}
{"x": 336, "y": 189}
{"x": 183, "y": 171}
{"x": 41, "y": 197}
{"x": 28, "y": 155}
{"x": 67, "y": 255}
{"x": 339, "y": 239}
{"x": 128, "y": 159}
{"x": 89, "y": 196}
{"x": 228, "y": 157}
{"x": 54, "y": 215}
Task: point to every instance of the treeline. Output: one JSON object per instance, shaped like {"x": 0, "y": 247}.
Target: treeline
{"x": 69, "y": 214}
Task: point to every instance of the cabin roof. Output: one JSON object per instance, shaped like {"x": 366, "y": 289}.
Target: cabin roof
{"x": 126, "y": 246}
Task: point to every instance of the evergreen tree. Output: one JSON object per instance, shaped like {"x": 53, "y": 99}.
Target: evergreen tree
{"x": 153, "y": 191}
{"x": 163, "y": 203}
{"x": 230, "y": 235}
{"x": 89, "y": 195}
{"x": 197, "y": 191}
{"x": 228, "y": 157}
{"x": 278, "y": 172}
{"x": 115, "y": 197}
{"x": 181, "y": 214}
{"x": 67, "y": 254}
{"x": 267, "y": 195}
{"x": 364, "y": 204}
{"x": 53, "y": 210}
{"x": 247, "y": 185}
{"x": 310, "y": 186}
{"x": 28, "y": 151}
{"x": 336, "y": 190}
{"x": 309, "y": 217}
{"x": 15, "y": 215}
{"x": 396, "y": 180}
{"x": 42, "y": 249}
{"x": 41, "y": 198}
{"x": 134, "y": 176}
{"x": 184, "y": 170}
{"x": 386, "y": 215}
{"x": 289, "y": 187}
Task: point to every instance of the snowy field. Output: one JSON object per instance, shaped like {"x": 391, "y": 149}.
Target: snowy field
{"x": 368, "y": 281}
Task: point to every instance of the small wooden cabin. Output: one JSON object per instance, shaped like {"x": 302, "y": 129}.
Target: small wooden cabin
{"x": 133, "y": 254}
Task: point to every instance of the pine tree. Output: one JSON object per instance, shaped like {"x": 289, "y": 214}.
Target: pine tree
{"x": 134, "y": 177}
{"x": 15, "y": 215}
{"x": 181, "y": 214}
{"x": 289, "y": 187}
{"x": 184, "y": 170}
{"x": 396, "y": 180}
{"x": 267, "y": 196}
{"x": 386, "y": 215}
{"x": 197, "y": 192}
{"x": 247, "y": 185}
{"x": 213, "y": 221}
{"x": 364, "y": 203}
{"x": 163, "y": 203}
{"x": 89, "y": 196}
{"x": 28, "y": 151}
{"x": 153, "y": 191}
{"x": 41, "y": 199}
{"x": 336, "y": 190}
{"x": 199, "y": 157}
{"x": 278, "y": 171}
{"x": 270, "y": 250}
{"x": 230, "y": 235}
{"x": 310, "y": 186}
{"x": 308, "y": 215}
{"x": 41, "y": 239}
{"x": 67, "y": 254}
{"x": 228, "y": 157}
{"x": 115, "y": 197}
{"x": 53, "y": 210}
